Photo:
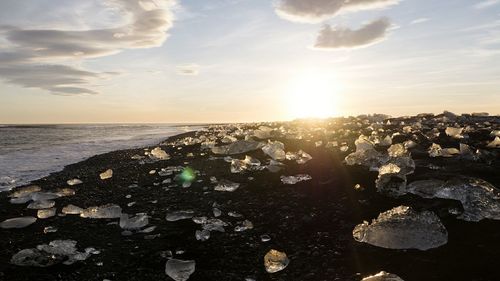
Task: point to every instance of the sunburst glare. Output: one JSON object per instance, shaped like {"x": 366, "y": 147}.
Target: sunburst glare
{"x": 313, "y": 94}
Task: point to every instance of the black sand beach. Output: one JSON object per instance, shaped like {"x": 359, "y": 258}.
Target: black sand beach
{"x": 311, "y": 221}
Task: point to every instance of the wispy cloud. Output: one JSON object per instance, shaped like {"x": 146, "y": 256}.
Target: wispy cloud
{"x": 419, "y": 21}
{"x": 486, "y": 4}
{"x": 314, "y": 11}
{"x": 37, "y": 58}
{"x": 191, "y": 69}
{"x": 341, "y": 37}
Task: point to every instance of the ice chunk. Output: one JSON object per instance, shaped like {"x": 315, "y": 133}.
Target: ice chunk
{"x": 33, "y": 257}
{"x": 275, "y": 261}
{"x": 108, "y": 211}
{"x": 274, "y": 166}
{"x": 217, "y": 212}
{"x": 265, "y": 238}
{"x": 74, "y": 182}
{"x": 389, "y": 169}
{"x": 72, "y": 210}
{"x": 383, "y": 276}
{"x": 454, "y": 132}
{"x": 387, "y": 141}
{"x": 214, "y": 225}
{"x": 495, "y": 143}
{"x": 20, "y": 222}
{"x": 137, "y": 222}
{"x": 225, "y": 185}
{"x": 467, "y": 153}
{"x": 179, "y": 215}
{"x": 106, "y": 175}
{"x": 480, "y": 199}
{"x": 244, "y": 225}
{"x": 275, "y": 150}
{"x": 295, "y": 179}
{"x": 263, "y": 132}
{"x": 435, "y": 150}
{"x": 300, "y": 157}
{"x": 55, "y": 252}
{"x": 46, "y": 213}
{"x": 365, "y": 154}
{"x": 397, "y": 150}
{"x": 180, "y": 270}
{"x": 249, "y": 163}
{"x": 49, "y": 229}
{"x": 63, "y": 192}
{"x": 158, "y": 154}
{"x": 43, "y": 204}
{"x": 391, "y": 181}
{"x": 237, "y": 147}
{"x": 199, "y": 220}
{"x": 25, "y": 191}
{"x": 202, "y": 235}
{"x": 403, "y": 228}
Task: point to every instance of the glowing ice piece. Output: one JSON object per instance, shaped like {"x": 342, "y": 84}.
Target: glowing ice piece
{"x": 275, "y": 261}
{"x": 180, "y": 270}
{"x": 403, "y": 228}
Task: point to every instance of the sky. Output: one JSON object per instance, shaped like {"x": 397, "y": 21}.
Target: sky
{"x": 166, "y": 61}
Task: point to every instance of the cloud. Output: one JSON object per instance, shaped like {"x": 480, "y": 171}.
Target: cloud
{"x": 420, "y": 20}
{"x": 25, "y": 61}
{"x": 314, "y": 11}
{"x": 486, "y": 4}
{"x": 188, "y": 69}
{"x": 341, "y": 37}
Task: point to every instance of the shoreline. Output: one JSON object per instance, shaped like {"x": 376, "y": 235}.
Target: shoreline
{"x": 311, "y": 221}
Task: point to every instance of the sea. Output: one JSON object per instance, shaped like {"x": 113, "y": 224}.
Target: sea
{"x": 29, "y": 152}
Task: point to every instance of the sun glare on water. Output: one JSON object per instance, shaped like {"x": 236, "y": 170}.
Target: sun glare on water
{"x": 313, "y": 95}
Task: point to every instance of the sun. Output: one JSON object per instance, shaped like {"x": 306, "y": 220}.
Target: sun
{"x": 313, "y": 94}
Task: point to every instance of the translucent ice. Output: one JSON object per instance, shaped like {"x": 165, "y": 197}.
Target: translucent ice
{"x": 55, "y": 252}
{"x": 295, "y": 179}
{"x": 202, "y": 235}
{"x": 480, "y": 199}
{"x": 106, "y": 174}
{"x": 275, "y": 150}
{"x": 43, "y": 204}
{"x": 495, "y": 143}
{"x": 435, "y": 150}
{"x": 74, "y": 182}
{"x": 454, "y": 132}
{"x": 249, "y": 163}
{"x": 300, "y": 157}
{"x": 365, "y": 154}
{"x": 403, "y": 228}
{"x": 20, "y": 222}
{"x": 383, "y": 276}
{"x": 275, "y": 261}
{"x": 158, "y": 154}
{"x": 244, "y": 225}
{"x": 237, "y": 147}
{"x": 263, "y": 132}
{"x": 72, "y": 210}
{"x": 214, "y": 225}
{"x": 108, "y": 211}
{"x": 136, "y": 222}
{"x": 179, "y": 215}
{"x": 180, "y": 270}
{"x": 46, "y": 213}
{"x": 25, "y": 191}
{"x": 225, "y": 185}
